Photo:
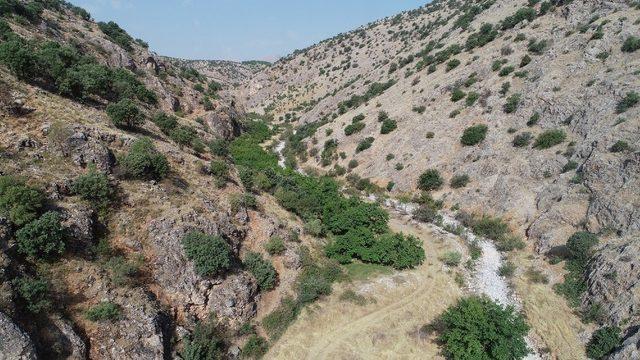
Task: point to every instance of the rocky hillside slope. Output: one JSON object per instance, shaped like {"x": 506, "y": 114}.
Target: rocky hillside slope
{"x": 226, "y": 72}
{"x": 112, "y": 163}
{"x": 525, "y": 110}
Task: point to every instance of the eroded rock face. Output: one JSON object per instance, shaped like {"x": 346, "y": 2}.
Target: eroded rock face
{"x": 80, "y": 222}
{"x": 614, "y": 281}
{"x": 16, "y": 344}
{"x": 85, "y": 147}
{"x": 232, "y": 298}
{"x": 223, "y": 121}
{"x": 140, "y": 331}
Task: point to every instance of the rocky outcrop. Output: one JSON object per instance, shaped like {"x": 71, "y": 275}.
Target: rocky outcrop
{"x": 16, "y": 344}
{"x": 614, "y": 281}
{"x": 79, "y": 219}
{"x": 141, "y": 332}
{"x": 83, "y": 145}
{"x": 193, "y": 296}
{"x": 223, "y": 121}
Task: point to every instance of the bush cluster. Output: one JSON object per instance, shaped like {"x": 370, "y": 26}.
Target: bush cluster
{"x": 144, "y": 162}
{"x": 580, "y": 249}
{"x": 105, "y": 311}
{"x": 211, "y": 255}
{"x": 117, "y": 34}
{"x": 388, "y": 125}
{"x": 364, "y": 144}
{"x": 34, "y": 292}
{"x": 603, "y": 342}
{"x": 93, "y": 187}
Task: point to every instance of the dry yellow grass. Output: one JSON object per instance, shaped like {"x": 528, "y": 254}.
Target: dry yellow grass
{"x": 388, "y": 326}
{"x": 552, "y": 320}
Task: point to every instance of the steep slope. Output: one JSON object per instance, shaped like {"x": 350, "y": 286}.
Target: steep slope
{"x": 111, "y": 157}
{"x": 226, "y": 72}
{"x": 553, "y": 87}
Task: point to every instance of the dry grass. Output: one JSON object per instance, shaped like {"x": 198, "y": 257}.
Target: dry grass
{"x": 388, "y": 326}
{"x": 553, "y": 323}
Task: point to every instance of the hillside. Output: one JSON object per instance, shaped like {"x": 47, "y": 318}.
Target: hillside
{"x": 468, "y": 167}
{"x": 548, "y": 92}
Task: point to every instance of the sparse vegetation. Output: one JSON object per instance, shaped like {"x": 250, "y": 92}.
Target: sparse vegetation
{"x": 630, "y": 100}
{"x": 104, "y": 311}
{"x": 262, "y": 270}
{"x": 459, "y": 181}
{"x": 512, "y": 103}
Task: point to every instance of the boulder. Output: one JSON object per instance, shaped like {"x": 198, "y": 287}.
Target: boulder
{"x": 16, "y": 344}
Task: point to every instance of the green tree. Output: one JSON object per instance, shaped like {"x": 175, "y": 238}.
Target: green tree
{"x": 478, "y": 328}
{"x": 474, "y": 134}
{"x": 125, "y": 114}
{"x": 94, "y": 187}
{"x": 430, "y": 180}
{"x": 34, "y": 292}
{"x": 19, "y": 202}
{"x": 42, "y": 238}
{"x": 211, "y": 255}
{"x": 144, "y": 162}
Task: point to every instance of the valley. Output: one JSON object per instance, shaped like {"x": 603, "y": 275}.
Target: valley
{"x": 458, "y": 181}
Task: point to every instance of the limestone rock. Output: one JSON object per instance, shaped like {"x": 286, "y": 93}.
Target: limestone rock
{"x": 16, "y": 345}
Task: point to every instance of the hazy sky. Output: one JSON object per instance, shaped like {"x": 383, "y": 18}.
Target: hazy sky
{"x": 239, "y": 29}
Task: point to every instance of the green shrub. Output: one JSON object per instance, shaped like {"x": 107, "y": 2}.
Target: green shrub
{"x": 255, "y": 347}
{"x": 537, "y": 47}
{"x": 508, "y": 243}
{"x": 219, "y": 147}
{"x": 490, "y": 227}
{"x": 122, "y": 270}
{"x": 42, "y": 238}
{"x": 144, "y": 162}
{"x": 426, "y": 214}
{"x": 388, "y": 125}
{"x": 105, "y": 311}
{"x": 472, "y": 97}
{"x": 620, "y": 146}
{"x": 526, "y": 59}
{"x": 262, "y": 270}
{"x": 457, "y": 95}
{"x": 603, "y": 342}
{"x": 220, "y": 170}
{"x": 451, "y": 258}
{"x": 580, "y": 246}
{"x": 474, "y": 134}
{"x": 396, "y": 250}
{"x": 19, "y": 202}
{"x": 486, "y": 34}
{"x": 354, "y": 128}
{"x": 522, "y": 140}
{"x": 206, "y": 342}
{"x": 419, "y": 109}
{"x": 211, "y": 254}
{"x": 459, "y": 181}
{"x": 522, "y": 14}
{"x": 569, "y": 166}
{"x": 125, "y": 114}
{"x": 630, "y": 100}
{"x": 478, "y": 328}
{"x": 165, "y": 122}
{"x": 631, "y": 44}
{"x": 5, "y": 30}
{"x": 549, "y": 138}
{"x": 116, "y": 34}
{"x": 506, "y": 71}
{"x": 364, "y": 144}
{"x": 34, "y": 292}
{"x": 533, "y": 120}
{"x": 452, "y": 64}
{"x": 18, "y": 55}
{"x": 275, "y": 246}
{"x": 184, "y": 135}
{"x": 430, "y": 180}
{"x": 507, "y": 269}
{"x": 512, "y": 103}
{"x": 93, "y": 187}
